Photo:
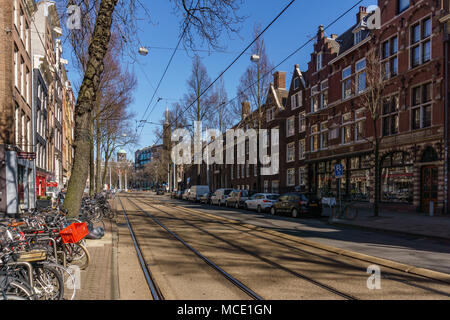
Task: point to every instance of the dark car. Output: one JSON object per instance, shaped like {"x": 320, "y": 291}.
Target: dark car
{"x": 296, "y": 204}
{"x": 179, "y": 194}
{"x": 237, "y": 198}
{"x": 159, "y": 192}
{"x": 206, "y": 198}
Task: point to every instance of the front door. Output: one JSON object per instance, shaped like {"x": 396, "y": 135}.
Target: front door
{"x": 429, "y": 187}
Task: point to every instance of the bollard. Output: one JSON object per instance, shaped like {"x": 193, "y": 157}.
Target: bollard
{"x": 431, "y": 208}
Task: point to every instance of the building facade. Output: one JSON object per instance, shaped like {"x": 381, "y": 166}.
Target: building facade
{"x": 325, "y": 119}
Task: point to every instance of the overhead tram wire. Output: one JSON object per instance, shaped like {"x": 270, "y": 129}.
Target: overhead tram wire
{"x": 283, "y": 61}
{"x": 236, "y": 59}
{"x": 162, "y": 77}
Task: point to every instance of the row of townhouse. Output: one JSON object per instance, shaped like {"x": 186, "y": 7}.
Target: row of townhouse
{"x": 322, "y": 122}
{"x": 37, "y": 104}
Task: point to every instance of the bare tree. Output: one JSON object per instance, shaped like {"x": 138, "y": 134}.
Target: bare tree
{"x": 207, "y": 18}
{"x": 372, "y": 100}
{"x": 253, "y": 87}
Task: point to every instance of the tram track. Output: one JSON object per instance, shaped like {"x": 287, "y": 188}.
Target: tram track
{"x": 274, "y": 264}
{"x": 409, "y": 278}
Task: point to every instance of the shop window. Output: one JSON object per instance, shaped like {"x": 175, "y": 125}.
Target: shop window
{"x": 397, "y": 178}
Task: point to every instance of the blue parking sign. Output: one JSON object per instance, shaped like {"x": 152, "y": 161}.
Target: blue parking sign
{"x": 338, "y": 171}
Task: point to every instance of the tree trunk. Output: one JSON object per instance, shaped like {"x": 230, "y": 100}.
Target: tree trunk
{"x": 376, "y": 205}
{"x": 98, "y": 184}
{"x": 91, "y": 158}
{"x": 85, "y": 101}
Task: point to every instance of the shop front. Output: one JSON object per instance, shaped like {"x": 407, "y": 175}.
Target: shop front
{"x": 397, "y": 178}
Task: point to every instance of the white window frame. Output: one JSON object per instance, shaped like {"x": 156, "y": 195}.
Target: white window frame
{"x": 290, "y": 152}
{"x": 323, "y": 130}
{"x": 290, "y": 129}
{"x": 302, "y": 149}
{"x": 345, "y": 79}
{"x": 290, "y": 173}
{"x": 319, "y": 61}
{"x": 359, "y": 72}
{"x": 348, "y": 123}
{"x": 302, "y": 121}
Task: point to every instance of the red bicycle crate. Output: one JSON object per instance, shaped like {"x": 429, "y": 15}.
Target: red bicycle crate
{"x": 74, "y": 233}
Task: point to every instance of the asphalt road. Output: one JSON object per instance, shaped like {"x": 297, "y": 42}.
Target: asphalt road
{"x": 272, "y": 266}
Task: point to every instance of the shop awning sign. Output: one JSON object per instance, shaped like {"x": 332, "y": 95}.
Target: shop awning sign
{"x": 26, "y": 155}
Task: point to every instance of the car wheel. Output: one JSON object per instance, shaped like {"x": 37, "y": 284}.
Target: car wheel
{"x": 259, "y": 209}
{"x": 294, "y": 213}
{"x": 273, "y": 211}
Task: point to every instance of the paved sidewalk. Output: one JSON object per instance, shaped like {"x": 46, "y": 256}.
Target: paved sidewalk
{"x": 97, "y": 281}
{"x": 408, "y": 223}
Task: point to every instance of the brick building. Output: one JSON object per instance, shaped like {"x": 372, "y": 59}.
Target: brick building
{"x": 16, "y": 140}
{"x": 323, "y": 121}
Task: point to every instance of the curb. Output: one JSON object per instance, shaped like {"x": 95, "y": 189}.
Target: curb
{"x": 427, "y": 273}
{"x": 115, "y": 289}
{"x": 387, "y": 231}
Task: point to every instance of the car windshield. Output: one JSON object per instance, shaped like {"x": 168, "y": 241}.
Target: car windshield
{"x": 272, "y": 197}
{"x": 227, "y": 192}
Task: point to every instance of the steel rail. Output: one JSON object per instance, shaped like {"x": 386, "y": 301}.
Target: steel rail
{"x": 278, "y": 266}
{"x": 229, "y": 277}
{"x": 154, "y": 289}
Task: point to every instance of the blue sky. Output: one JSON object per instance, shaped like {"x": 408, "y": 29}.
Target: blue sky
{"x": 288, "y": 33}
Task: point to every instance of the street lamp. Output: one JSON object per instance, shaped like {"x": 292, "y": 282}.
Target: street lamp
{"x": 255, "y": 58}
{"x": 143, "y": 51}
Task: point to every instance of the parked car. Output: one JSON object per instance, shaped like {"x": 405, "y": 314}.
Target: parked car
{"x": 160, "y": 192}
{"x": 196, "y": 192}
{"x": 206, "y": 198}
{"x": 179, "y": 194}
{"x": 261, "y": 201}
{"x": 237, "y": 198}
{"x": 219, "y": 197}
{"x": 296, "y": 204}
{"x": 185, "y": 194}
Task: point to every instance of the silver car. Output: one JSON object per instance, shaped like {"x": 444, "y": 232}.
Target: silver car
{"x": 219, "y": 197}
{"x": 261, "y": 201}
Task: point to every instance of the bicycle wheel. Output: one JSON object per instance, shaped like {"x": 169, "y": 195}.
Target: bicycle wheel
{"x": 351, "y": 212}
{"x": 70, "y": 281}
{"x": 48, "y": 283}
{"x": 19, "y": 290}
{"x": 78, "y": 255}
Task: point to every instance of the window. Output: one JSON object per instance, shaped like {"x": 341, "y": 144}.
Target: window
{"x": 302, "y": 176}
{"x": 238, "y": 171}
{"x": 389, "y": 59}
{"x": 421, "y": 106}
{"x": 402, "y": 5}
{"x": 290, "y": 126}
{"x": 315, "y": 138}
{"x": 301, "y": 149}
{"x": 361, "y": 75}
{"x": 275, "y": 186}
{"x": 27, "y": 86}
{"x": 266, "y": 186}
{"x": 347, "y": 128}
{"x": 360, "y": 119}
{"x": 420, "y": 50}
{"x": 270, "y": 114}
{"x": 302, "y": 121}
{"x": 15, "y": 13}
{"x": 290, "y": 152}
{"x": 247, "y": 170}
{"x": 346, "y": 83}
{"x": 296, "y": 83}
{"x": 315, "y": 99}
{"x": 323, "y": 135}
{"x": 290, "y": 177}
{"x": 324, "y": 94}
{"x": 22, "y": 76}
{"x": 255, "y": 170}
{"x": 390, "y": 120}
{"x": 16, "y": 61}
{"x": 296, "y": 100}
{"x": 319, "y": 61}
{"x": 17, "y": 124}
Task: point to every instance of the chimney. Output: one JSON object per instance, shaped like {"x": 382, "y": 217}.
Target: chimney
{"x": 361, "y": 14}
{"x": 320, "y": 32}
{"x": 245, "y": 109}
{"x": 279, "y": 80}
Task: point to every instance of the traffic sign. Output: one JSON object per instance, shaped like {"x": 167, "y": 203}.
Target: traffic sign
{"x": 338, "y": 171}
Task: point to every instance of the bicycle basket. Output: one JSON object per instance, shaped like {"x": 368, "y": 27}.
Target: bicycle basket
{"x": 74, "y": 233}
{"x": 31, "y": 256}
